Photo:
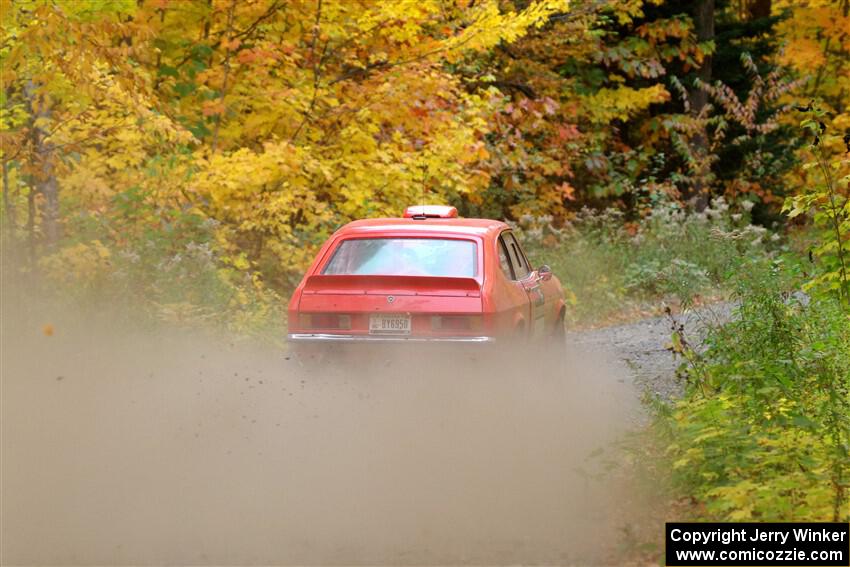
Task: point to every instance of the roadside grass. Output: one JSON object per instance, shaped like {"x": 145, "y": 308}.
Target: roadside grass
{"x": 614, "y": 270}
{"x": 763, "y": 430}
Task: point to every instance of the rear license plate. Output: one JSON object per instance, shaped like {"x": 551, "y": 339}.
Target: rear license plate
{"x": 389, "y": 324}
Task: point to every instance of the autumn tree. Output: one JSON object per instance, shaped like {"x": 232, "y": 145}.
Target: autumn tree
{"x": 276, "y": 120}
{"x": 76, "y": 116}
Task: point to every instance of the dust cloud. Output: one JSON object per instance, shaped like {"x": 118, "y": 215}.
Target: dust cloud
{"x": 128, "y": 445}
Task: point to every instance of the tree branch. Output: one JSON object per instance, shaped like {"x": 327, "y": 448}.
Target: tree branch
{"x": 316, "y": 67}
{"x": 226, "y": 73}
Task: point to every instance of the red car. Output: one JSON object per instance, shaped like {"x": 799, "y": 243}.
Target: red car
{"x": 427, "y": 277}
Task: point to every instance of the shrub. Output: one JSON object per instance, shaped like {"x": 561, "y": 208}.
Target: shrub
{"x": 165, "y": 265}
{"x": 613, "y": 265}
{"x": 763, "y": 430}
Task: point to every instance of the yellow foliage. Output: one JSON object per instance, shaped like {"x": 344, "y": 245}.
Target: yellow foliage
{"x": 623, "y": 103}
{"x": 83, "y": 264}
{"x": 817, "y": 47}
{"x": 261, "y": 199}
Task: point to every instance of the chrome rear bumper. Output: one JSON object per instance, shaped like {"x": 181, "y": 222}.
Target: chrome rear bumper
{"x": 331, "y": 338}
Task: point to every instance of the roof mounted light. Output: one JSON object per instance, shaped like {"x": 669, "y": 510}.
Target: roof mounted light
{"x": 420, "y": 212}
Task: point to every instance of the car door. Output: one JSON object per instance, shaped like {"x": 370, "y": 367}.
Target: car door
{"x": 548, "y": 293}
{"x": 527, "y": 278}
{"x": 512, "y": 311}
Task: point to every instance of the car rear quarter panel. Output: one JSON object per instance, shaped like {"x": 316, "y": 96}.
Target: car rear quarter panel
{"x": 295, "y": 300}
{"x": 505, "y": 302}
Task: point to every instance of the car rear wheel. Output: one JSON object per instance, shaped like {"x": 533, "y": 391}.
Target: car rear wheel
{"x": 551, "y": 350}
{"x": 558, "y": 337}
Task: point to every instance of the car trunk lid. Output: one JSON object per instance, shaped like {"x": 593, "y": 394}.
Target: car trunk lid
{"x": 419, "y": 297}
{"x": 393, "y": 285}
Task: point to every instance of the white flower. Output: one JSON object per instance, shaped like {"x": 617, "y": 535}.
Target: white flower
{"x": 747, "y": 205}
{"x": 133, "y": 257}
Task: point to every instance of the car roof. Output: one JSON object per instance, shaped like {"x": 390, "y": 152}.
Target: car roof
{"x": 460, "y": 226}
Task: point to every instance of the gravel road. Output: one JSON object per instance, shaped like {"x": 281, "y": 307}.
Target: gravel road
{"x": 643, "y": 346}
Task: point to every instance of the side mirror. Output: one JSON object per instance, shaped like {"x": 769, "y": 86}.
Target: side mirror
{"x": 544, "y": 272}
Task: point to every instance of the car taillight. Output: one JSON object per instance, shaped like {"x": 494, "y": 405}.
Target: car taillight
{"x": 325, "y": 321}
{"x": 455, "y": 322}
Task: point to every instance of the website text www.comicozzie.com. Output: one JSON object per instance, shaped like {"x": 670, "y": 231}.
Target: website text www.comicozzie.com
{"x": 751, "y": 543}
{"x": 686, "y": 555}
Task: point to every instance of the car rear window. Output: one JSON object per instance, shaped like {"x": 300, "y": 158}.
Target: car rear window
{"x": 404, "y": 257}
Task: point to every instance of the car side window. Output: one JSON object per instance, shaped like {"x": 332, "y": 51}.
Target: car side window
{"x": 504, "y": 262}
{"x": 520, "y": 266}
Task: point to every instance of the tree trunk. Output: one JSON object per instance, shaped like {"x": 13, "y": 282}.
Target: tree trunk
{"x": 704, "y": 28}
{"x": 46, "y": 184}
{"x": 31, "y": 228}
{"x": 49, "y": 189}
{"x": 698, "y": 98}
{"x": 8, "y": 204}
